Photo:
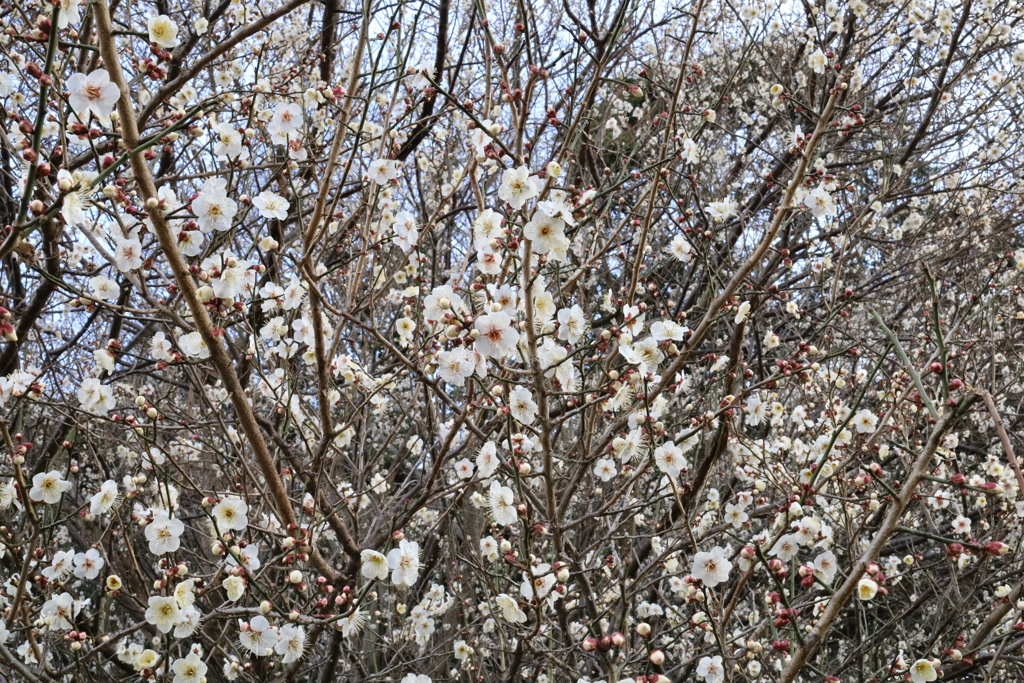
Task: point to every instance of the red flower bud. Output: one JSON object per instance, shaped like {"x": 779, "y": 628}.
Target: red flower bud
{"x": 997, "y": 548}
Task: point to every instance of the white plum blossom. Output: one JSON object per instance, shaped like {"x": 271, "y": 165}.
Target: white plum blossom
{"x": 271, "y": 205}
{"x": 680, "y": 249}
{"x": 518, "y": 186}
{"x": 867, "y": 589}
{"x": 923, "y": 671}
{"x": 213, "y": 208}
{"x": 60, "y": 611}
{"x": 509, "y": 609}
{"x": 60, "y": 566}
{"x": 291, "y": 642}
{"x": 128, "y": 252}
{"x": 820, "y": 202}
{"x": 546, "y": 233}
{"x": 286, "y": 121}
{"x": 194, "y": 346}
{"x": 487, "y": 462}
{"x": 590, "y": 316}
{"x": 163, "y": 31}
{"x": 501, "y": 502}
{"x": 382, "y": 171}
{"x": 93, "y": 93}
{"x": 538, "y": 583}
{"x": 736, "y": 515}
{"x": 664, "y": 330}
{"x": 104, "y": 500}
{"x": 230, "y": 514}
{"x": 817, "y": 61}
{"x": 234, "y": 586}
{"x": 711, "y": 669}
{"x": 69, "y": 13}
{"x": 104, "y": 289}
{"x": 669, "y": 459}
{"x": 374, "y": 565}
{"x": 48, "y": 487}
{"x": 786, "y": 547}
{"x": 228, "y": 143}
{"x": 572, "y": 324}
{"x": 257, "y": 637}
{"x": 88, "y": 564}
{"x": 189, "y": 669}
{"x": 404, "y": 562}
{"x": 825, "y": 566}
{"x": 164, "y": 534}
{"x": 712, "y": 568}
{"x": 604, "y": 469}
{"x": 497, "y": 337}
{"x": 865, "y": 421}
{"x": 163, "y": 612}
{"x": 522, "y": 406}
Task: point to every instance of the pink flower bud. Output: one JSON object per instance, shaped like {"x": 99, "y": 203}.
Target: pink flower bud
{"x": 997, "y": 548}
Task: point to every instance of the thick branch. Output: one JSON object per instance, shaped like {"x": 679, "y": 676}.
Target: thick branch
{"x": 168, "y": 242}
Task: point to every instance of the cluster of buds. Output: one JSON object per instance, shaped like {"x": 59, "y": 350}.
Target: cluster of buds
{"x": 180, "y": 571}
{"x": 82, "y": 130}
{"x": 20, "y": 450}
{"x": 783, "y": 615}
{"x": 806, "y": 573}
{"x": 77, "y": 639}
{"x": 788, "y": 367}
{"x": 607, "y": 642}
{"x": 344, "y": 597}
{"x": 154, "y": 71}
{"x": 159, "y": 52}
{"x": 297, "y": 579}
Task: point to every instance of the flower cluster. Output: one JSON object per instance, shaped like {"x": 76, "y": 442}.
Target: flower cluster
{"x": 496, "y": 341}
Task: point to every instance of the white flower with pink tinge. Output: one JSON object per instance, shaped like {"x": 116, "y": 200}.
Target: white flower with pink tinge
{"x": 497, "y": 338}
{"x": 712, "y": 568}
{"x": 711, "y": 669}
{"x": 501, "y": 502}
{"x": 93, "y": 93}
